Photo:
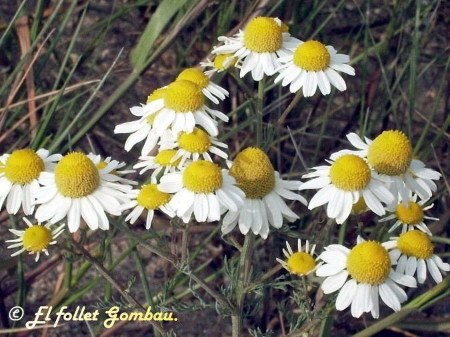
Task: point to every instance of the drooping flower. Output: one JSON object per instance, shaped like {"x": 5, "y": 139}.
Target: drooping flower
{"x": 164, "y": 162}
{"x": 221, "y": 63}
{"x": 300, "y": 263}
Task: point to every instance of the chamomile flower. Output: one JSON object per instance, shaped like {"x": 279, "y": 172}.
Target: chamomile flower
{"x": 19, "y": 174}
{"x": 410, "y": 217}
{"x": 202, "y": 189}
{"x": 111, "y": 169}
{"x": 343, "y": 183}
{"x": 211, "y": 90}
{"x": 369, "y": 266}
{"x": 144, "y": 127}
{"x": 164, "y": 162}
{"x": 415, "y": 252}
{"x": 264, "y": 192}
{"x": 79, "y": 189}
{"x": 312, "y": 64}
{"x": 184, "y": 108}
{"x": 301, "y": 262}
{"x": 149, "y": 198}
{"x": 390, "y": 155}
{"x": 194, "y": 145}
{"x": 35, "y": 239}
{"x": 259, "y": 46}
{"x": 221, "y": 63}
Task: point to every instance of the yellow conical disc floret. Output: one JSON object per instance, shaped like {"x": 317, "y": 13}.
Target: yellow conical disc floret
{"x": 23, "y": 166}
{"x": 195, "y": 142}
{"x": 253, "y": 172}
{"x": 76, "y": 175}
{"x": 156, "y": 94}
{"x": 164, "y": 158}
{"x": 202, "y": 177}
{"x": 312, "y": 56}
{"x": 411, "y": 215}
{"x": 301, "y": 263}
{"x": 390, "y": 153}
{"x": 263, "y": 35}
{"x": 183, "y": 96}
{"x": 350, "y": 173}
{"x": 36, "y": 238}
{"x": 415, "y": 243}
{"x": 224, "y": 61}
{"x": 369, "y": 262}
{"x": 150, "y": 197}
{"x": 194, "y": 75}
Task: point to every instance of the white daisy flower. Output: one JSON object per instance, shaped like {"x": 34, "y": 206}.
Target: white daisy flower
{"x": 211, "y": 90}
{"x": 343, "y": 183}
{"x": 300, "y": 263}
{"x": 264, "y": 192}
{"x": 369, "y": 266}
{"x": 194, "y": 145}
{"x": 149, "y": 198}
{"x": 259, "y": 46}
{"x": 35, "y": 239}
{"x": 144, "y": 127}
{"x": 312, "y": 64}
{"x": 203, "y": 189}
{"x": 411, "y": 217}
{"x": 111, "y": 169}
{"x": 78, "y": 189}
{"x": 19, "y": 174}
{"x": 184, "y": 108}
{"x": 390, "y": 154}
{"x": 164, "y": 162}
{"x": 221, "y": 62}
{"x": 415, "y": 252}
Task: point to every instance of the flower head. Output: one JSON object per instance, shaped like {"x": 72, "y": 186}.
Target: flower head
{"x": 301, "y": 262}
{"x": 35, "y": 239}
{"x": 311, "y": 64}
{"x": 164, "y": 162}
{"x": 221, "y": 62}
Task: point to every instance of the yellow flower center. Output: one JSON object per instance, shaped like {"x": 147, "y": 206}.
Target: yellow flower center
{"x": 360, "y": 206}
{"x": 164, "y": 158}
{"x": 301, "y": 263}
{"x": 411, "y": 215}
{"x": 36, "y": 238}
{"x": 156, "y": 94}
{"x": 369, "y": 262}
{"x": 76, "y": 175}
{"x": 224, "y": 61}
{"x": 312, "y": 56}
{"x": 415, "y": 243}
{"x": 263, "y": 35}
{"x": 184, "y": 96}
{"x": 194, "y": 75}
{"x": 390, "y": 153}
{"x": 350, "y": 173}
{"x": 253, "y": 172}
{"x": 101, "y": 164}
{"x": 284, "y": 27}
{"x": 150, "y": 197}
{"x": 23, "y": 166}
{"x": 195, "y": 142}
{"x": 202, "y": 177}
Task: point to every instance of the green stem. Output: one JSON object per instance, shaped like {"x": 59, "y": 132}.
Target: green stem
{"x": 259, "y": 113}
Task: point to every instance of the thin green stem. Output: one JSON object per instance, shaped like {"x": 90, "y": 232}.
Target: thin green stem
{"x": 259, "y": 113}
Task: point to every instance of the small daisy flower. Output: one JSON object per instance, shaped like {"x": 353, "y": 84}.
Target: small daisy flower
{"x": 19, "y": 174}
{"x": 411, "y": 217}
{"x": 211, "y": 90}
{"x": 415, "y": 252}
{"x": 264, "y": 192}
{"x": 164, "y": 162}
{"x": 144, "y": 127}
{"x": 390, "y": 154}
{"x": 301, "y": 262}
{"x": 111, "y": 169}
{"x": 194, "y": 145}
{"x": 369, "y": 266}
{"x": 221, "y": 63}
{"x": 202, "y": 189}
{"x": 78, "y": 189}
{"x": 184, "y": 108}
{"x": 259, "y": 46}
{"x": 343, "y": 183}
{"x": 35, "y": 239}
{"x": 312, "y": 64}
{"x": 149, "y": 198}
